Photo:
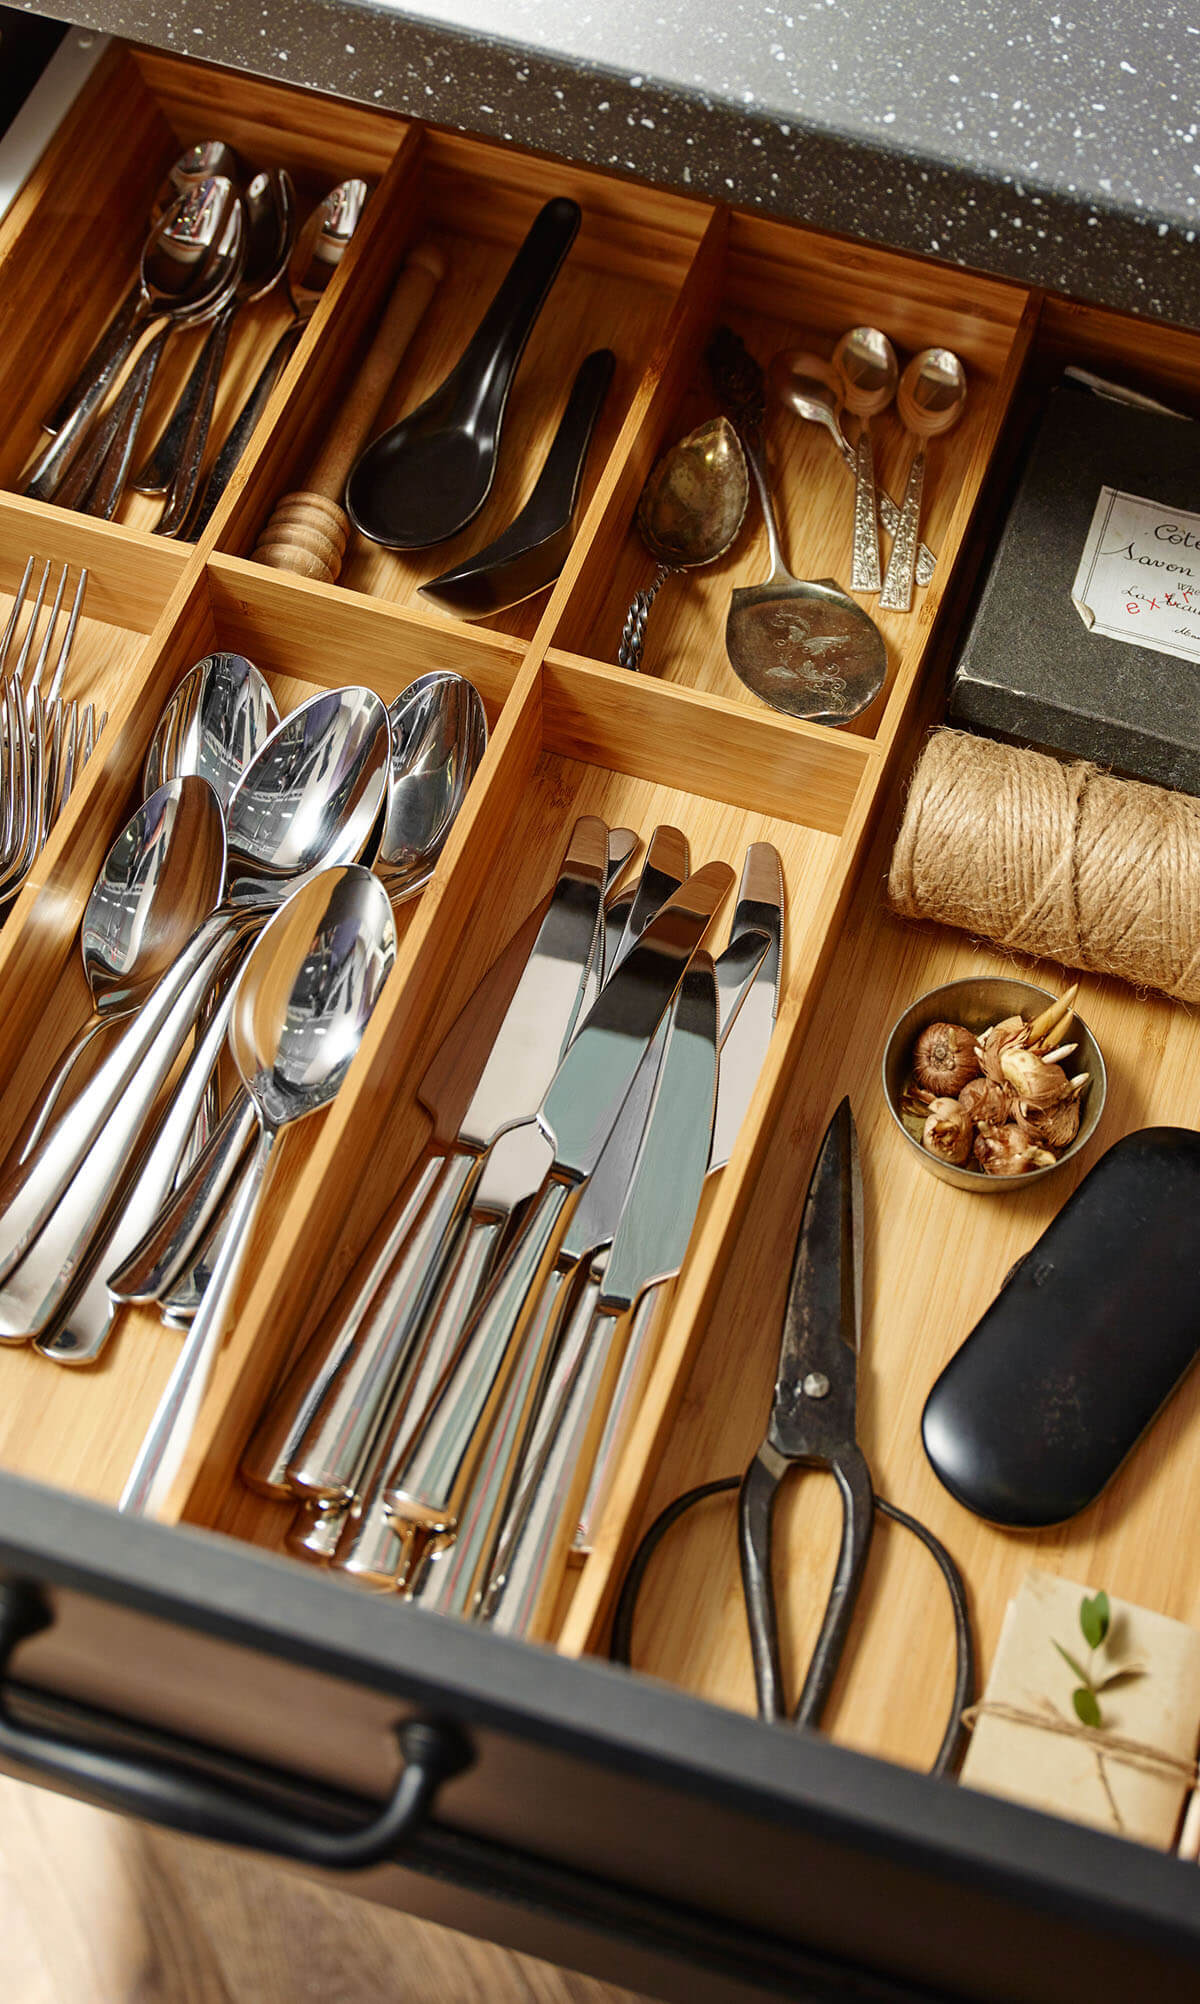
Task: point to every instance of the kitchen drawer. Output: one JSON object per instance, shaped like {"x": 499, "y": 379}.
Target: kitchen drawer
{"x": 641, "y": 1826}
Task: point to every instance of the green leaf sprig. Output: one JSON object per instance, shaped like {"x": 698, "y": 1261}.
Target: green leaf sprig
{"x": 1095, "y": 1620}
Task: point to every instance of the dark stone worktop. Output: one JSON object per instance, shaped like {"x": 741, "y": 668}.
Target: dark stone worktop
{"x": 1059, "y": 146}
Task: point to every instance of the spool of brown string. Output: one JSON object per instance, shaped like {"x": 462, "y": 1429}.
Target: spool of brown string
{"x": 1059, "y": 860}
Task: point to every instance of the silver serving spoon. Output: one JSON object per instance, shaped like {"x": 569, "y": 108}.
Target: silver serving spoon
{"x": 804, "y": 647}
{"x": 931, "y": 396}
{"x": 198, "y": 163}
{"x": 185, "y": 267}
{"x": 214, "y": 725}
{"x": 309, "y": 799}
{"x": 804, "y": 385}
{"x": 867, "y": 371}
{"x": 161, "y": 877}
{"x": 439, "y": 734}
{"x": 300, "y": 1008}
{"x": 689, "y": 513}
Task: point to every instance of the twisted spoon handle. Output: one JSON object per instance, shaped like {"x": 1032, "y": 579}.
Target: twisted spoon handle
{"x": 633, "y": 633}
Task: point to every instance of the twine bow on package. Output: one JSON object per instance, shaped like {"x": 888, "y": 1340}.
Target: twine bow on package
{"x": 1124, "y": 1757}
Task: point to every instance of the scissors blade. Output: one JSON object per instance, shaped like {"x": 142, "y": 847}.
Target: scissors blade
{"x": 822, "y": 1325}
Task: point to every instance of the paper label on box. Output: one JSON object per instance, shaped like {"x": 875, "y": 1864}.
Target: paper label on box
{"x": 1139, "y": 575}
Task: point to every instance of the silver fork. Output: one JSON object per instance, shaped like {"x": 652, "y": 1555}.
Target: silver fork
{"x": 43, "y": 745}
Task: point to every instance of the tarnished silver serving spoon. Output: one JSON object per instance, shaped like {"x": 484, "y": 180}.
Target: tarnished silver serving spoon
{"x": 805, "y": 647}
{"x": 690, "y": 512}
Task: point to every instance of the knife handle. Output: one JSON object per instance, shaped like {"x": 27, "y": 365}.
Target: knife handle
{"x": 430, "y": 1485}
{"x": 298, "y": 1398}
{"x": 627, "y": 1397}
{"x": 532, "y": 1555}
{"x": 329, "y": 1462}
{"x": 371, "y": 1549}
{"x": 450, "y": 1578}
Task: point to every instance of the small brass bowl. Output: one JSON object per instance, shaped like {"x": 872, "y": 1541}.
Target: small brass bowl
{"x": 977, "y": 1004}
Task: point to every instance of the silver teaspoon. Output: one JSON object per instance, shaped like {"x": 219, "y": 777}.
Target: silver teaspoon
{"x": 865, "y": 364}
{"x": 931, "y": 396}
{"x": 302, "y": 1003}
{"x": 801, "y": 384}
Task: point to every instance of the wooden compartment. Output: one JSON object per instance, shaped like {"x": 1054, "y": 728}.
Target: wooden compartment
{"x": 779, "y": 289}
{"x": 81, "y": 1427}
{"x": 70, "y": 247}
{"x": 616, "y": 289}
{"x": 570, "y": 734}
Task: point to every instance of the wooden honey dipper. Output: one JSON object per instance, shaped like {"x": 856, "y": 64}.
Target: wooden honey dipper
{"x": 308, "y": 531}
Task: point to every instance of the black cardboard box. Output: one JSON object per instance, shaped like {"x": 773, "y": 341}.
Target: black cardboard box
{"x": 1038, "y": 667}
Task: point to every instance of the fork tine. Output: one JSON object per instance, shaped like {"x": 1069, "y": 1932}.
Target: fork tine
{"x": 35, "y": 680}
{"x": 14, "y": 615}
{"x": 90, "y": 733}
{"x": 67, "y": 771}
{"x": 8, "y": 773}
{"x": 52, "y": 743}
{"x": 23, "y": 851}
{"x": 35, "y": 615}
{"x": 69, "y": 637}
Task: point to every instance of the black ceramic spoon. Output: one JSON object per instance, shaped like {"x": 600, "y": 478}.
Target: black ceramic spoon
{"x": 532, "y": 551}
{"x": 428, "y": 476}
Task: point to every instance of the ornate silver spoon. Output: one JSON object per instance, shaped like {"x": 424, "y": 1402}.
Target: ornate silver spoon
{"x": 690, "y": 511}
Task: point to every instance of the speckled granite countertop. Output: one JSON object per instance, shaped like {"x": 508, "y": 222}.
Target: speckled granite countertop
{"x": 1057, "y": 147}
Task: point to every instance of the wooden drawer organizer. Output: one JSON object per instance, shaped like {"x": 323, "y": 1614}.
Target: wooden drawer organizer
{"x": 650, "y": 274}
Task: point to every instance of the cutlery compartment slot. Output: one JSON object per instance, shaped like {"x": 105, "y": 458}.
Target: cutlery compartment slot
{"x": 616, "y": 289}
{"x": 70, "y": 248}
{"x": 507, "y": 860}
{"x": 80, "y": 1428}
{"x": 785, "y": 288}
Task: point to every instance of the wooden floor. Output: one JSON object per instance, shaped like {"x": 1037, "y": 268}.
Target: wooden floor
{"x": 94, "y": 1910}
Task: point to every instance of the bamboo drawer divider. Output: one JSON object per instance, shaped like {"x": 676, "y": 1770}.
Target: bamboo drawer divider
{"x": 650, "y": 275}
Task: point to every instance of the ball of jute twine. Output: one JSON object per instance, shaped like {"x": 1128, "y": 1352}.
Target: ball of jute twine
{"x": 1056, "y": 860}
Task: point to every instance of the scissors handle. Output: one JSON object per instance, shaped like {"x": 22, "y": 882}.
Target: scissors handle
{"x": 756, "y": 1509}
{"x": 621, "y": 1647}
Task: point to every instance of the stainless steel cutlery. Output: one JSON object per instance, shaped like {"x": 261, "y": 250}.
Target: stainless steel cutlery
{"x": 439, "y": 1431}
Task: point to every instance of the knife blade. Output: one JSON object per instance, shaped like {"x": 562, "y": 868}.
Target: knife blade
{"x": 666, "y": 866}
{"x": 451, "y": 1581}
{"x": 577, "y": 1115}
{"x": 371, "y": 1550}
{"x": 651, "y": 1237}
{"x": 759, "y": 909}
{"x": 745, "y": 1035}
{"x": 360, "y": 1360}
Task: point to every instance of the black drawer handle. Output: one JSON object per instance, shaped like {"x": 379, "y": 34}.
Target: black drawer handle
{"x": 168, "y": 1792}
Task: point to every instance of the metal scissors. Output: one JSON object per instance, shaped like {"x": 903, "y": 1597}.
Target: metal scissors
{"x": 813, "y": 1425}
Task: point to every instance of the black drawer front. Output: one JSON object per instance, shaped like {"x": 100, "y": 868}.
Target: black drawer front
{"x": 597, "y": 1818}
